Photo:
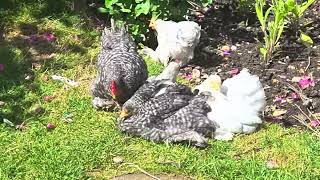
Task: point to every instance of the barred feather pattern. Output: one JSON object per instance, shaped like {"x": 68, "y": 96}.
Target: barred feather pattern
{"x": 187, "y": 121}
{"x": 119, "y": 61}
{"x": 153, "y": 89}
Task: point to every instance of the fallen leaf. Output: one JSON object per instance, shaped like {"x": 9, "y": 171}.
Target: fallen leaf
{"x": 45, "y": 78}
{"x": 117, "y": 160}
{"x": 291, "y": 67}
{"x": 196, "y": 73}
{"x": 48, "y": 98}
{"x": 33, "y": 38}
{"x": 49, "y": 36}
{"x": 272, "y": 164}
{"x": 295, "y": 79}
{"x": 233, "y": 48}
{"x": 50, "y": 126}
{"x": 283, "y": 76}
{"x": 278, "y": 112}
{"x": 306, "y": 81}
{"x": 315, "y": 123}
{"x": 188, "y": 77}
{"x": 294, "y": 96}
{"x": 279, "y": 99}
{"x": 234, "y": 71}
{"x": 225, "y": 48}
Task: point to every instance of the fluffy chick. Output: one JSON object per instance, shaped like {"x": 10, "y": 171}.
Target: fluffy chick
{"x": 236, "y": 104}
{"x": 121, "y": 71}
{"x": 176, "y": 40}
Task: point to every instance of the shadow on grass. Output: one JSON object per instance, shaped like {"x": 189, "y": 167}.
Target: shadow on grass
{"x": 28, "y": 49}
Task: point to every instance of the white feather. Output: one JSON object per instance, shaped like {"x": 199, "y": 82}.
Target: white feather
{"x": 237, "y": 108}
{"x": 177, "y": 40}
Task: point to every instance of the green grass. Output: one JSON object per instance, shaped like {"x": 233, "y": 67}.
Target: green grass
{"x": 85, "y": 148}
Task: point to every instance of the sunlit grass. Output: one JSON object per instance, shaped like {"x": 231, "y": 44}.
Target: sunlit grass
{"x": 85, "y": 147}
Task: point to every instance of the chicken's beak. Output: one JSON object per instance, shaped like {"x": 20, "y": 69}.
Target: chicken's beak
{"x": 216, "y": 83}
{"x": 124, "y": 113}
{"x": 216, "y": 86}
{"x": 152, "y": 23}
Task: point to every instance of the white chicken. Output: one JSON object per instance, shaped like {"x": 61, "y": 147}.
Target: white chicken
{"x": 236, "y": 104}
{"x": 176, "y": 40}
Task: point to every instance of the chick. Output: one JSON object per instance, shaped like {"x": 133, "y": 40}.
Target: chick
{"x": 121, "y": 71}
{"x": 176, "y": 40}
{"x": 236, "y": 103}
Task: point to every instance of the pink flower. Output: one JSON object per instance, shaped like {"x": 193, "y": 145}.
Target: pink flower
{"x": 234, "y": 71}
{"x": 226, "y": 53}
{"x": 306, "y": 81}
{"x": 294, "y": 96}
{"x": 49, "y": 36}
{"x": 279, "y": 99}
{"x": 50, "y": 126}
{"x": 33, "y": 38}
{"x": 315, "y": 123}
{"x": 188, "y": 77}
{"x": 1, "y": 67}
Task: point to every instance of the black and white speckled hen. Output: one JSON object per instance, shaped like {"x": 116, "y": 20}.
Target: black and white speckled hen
{"x": 151, "y": 90}
{"x": 121, "y": 71}
{"x": 172, "y": 118}
{"x": 155, "y": 86}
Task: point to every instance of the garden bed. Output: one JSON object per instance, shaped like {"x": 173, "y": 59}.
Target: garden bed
{"x": 241, "y": 33}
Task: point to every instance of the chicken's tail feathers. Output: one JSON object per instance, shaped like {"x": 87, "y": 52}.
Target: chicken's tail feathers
{"x": 245, "y": 88}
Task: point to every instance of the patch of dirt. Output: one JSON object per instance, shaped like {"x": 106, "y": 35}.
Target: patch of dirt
{"x": 222, "y": 26}
{"x": 145, "y": 177}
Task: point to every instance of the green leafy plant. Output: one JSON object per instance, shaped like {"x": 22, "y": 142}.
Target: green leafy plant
{"x": 274, "y": 19}
{"x": 296, "y": 12}
{"x": 137, "y": 13}
{"x": 272, "y": 24}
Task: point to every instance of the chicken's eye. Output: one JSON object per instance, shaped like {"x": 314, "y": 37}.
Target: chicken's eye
{"x": 196, "y": 91}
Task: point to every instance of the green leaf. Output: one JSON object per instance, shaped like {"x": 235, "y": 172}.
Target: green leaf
{"x": 290, "y": 4}
{"x": 259, "y": 13}
{"x": 143, "y": 8}
{"x": 304, "y": 7}
{"x": 109, "y": 3}
{"x": 102, "y": 10}
{"x": 123, "y": 9}
{"x": 264, "y": 52}
{"x": 306, "y": 40}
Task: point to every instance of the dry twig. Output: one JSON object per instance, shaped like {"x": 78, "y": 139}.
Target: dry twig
{"x": 303, "y": 97}
{"x": 309, "y": 62}
{"x": 141, "y": 170}
{"x": 302, "y": 121}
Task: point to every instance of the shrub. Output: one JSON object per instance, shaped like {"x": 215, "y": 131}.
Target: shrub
{"x": 137, "y": 13}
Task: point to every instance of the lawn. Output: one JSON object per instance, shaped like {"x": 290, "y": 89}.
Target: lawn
{"x": 86, "y": 147}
